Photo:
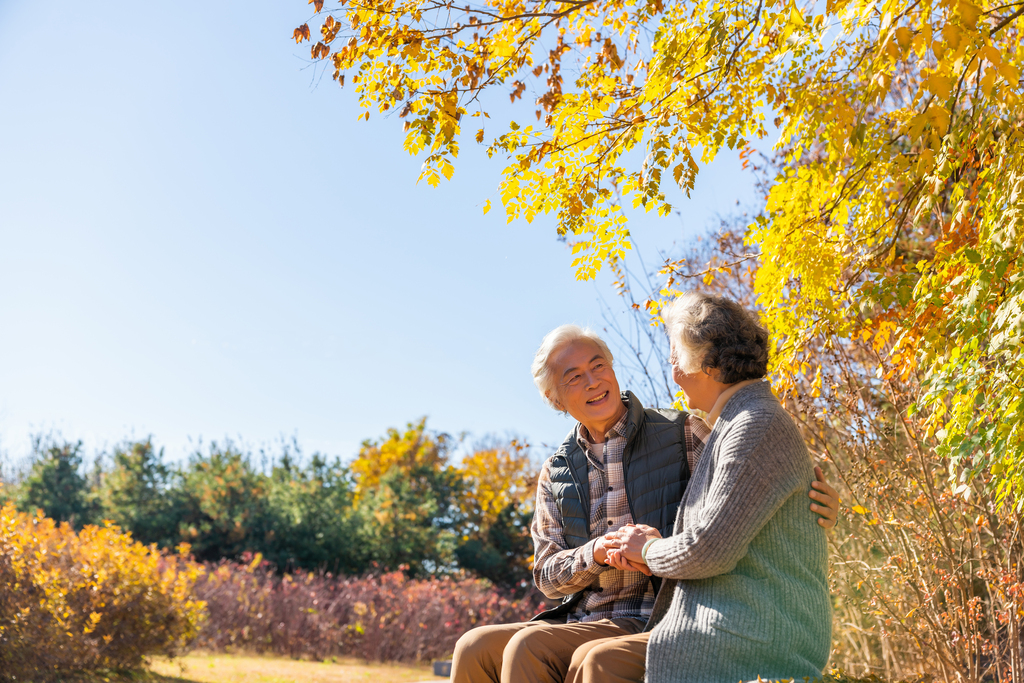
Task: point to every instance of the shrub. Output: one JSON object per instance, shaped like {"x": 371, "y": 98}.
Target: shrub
{"x": 385, "y": 618}
{"x": 87, "y": 601}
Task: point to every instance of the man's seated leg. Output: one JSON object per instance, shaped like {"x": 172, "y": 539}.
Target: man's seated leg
{"x": 610, "y": 660}
{"x": 478, "y": 652}
{"x": 543, "y": 654}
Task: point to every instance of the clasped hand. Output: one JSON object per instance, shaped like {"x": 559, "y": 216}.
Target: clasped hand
{"x": 622, "y": 547}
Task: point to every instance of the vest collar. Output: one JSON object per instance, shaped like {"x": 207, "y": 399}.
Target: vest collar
{"x": 635, "y": 415}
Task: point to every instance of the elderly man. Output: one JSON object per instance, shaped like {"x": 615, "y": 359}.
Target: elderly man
{"x": 621, "y": 464}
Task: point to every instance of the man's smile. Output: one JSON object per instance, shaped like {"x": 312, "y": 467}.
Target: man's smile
{"x": 598, "y": 399}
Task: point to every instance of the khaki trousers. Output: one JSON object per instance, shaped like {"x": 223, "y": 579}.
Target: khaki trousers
{"x": 610, "y": 660}
{"x": 531, "y": 652}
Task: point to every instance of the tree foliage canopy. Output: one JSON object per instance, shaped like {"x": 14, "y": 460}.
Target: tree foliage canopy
{"x": 399, "y": 504}
{"x": 898, "y": 207}
{"x": 56, "y": 484}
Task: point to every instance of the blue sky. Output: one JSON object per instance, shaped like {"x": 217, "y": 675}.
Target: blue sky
{"x": 198, "y": 240}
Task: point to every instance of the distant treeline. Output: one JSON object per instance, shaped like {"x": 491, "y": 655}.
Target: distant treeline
{"x": 401, "y": 504}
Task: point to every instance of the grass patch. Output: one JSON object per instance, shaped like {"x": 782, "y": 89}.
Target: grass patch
{"x": 222, "y": 668}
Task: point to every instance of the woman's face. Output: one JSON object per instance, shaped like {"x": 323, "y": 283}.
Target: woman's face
{"x": 699, "y": 388}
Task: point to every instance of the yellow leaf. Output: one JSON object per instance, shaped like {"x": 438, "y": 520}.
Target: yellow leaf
{"x": 970, "y": 12}
{"x": 903, "y": 37}
{"x": 860, "y": 510}
{"x": 952, "y": 34}
{"x": 940, "y": 85}
{"x": 921, "y": 42}
{"x": 988, "y": 81}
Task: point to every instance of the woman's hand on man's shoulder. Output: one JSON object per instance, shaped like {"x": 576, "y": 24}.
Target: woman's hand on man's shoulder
{"x": 827, "y": 498}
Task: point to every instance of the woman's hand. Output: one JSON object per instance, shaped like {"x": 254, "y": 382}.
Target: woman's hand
{"x": 827, "y": 496}
{"x": 615, "y": 559}
{"x": 629, "y": 541}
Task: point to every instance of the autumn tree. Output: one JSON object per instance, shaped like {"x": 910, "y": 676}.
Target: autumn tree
{"x": 499, "y": 482}
{"x": 406, "y": 492}
{"x": 925, "y": 578}
{"x": 896, "y": 119}
{"x": 423, "y": 511}
{"x": 413, "y": 452}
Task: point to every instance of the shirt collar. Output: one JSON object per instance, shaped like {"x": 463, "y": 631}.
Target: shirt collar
{"x": 723, "y": 398}
{"x": 618, "y": 429}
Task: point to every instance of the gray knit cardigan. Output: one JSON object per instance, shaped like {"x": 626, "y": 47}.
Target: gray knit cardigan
{"x": 748, "y": 558}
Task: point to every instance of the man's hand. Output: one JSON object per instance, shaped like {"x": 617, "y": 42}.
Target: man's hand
{"x": 827, "y": 496}
{"x": 601, "y": 551}
{"x": 630, "y": 540}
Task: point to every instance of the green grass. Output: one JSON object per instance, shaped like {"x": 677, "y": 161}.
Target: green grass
{"x": 221, "y": 668}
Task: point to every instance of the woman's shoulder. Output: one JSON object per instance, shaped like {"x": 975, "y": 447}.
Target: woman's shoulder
{"x": 755, "y": 405}
{"x": 756, "y": 396}
{"x": 755, "y": 418}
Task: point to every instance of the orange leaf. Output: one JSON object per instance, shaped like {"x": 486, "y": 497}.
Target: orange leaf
{"x": 317, "y": 4}
{"x": 319, "y": 51}
{"x": 301, "y": 33}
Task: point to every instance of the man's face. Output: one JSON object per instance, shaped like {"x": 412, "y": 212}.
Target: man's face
{"x": 587, "y": 387}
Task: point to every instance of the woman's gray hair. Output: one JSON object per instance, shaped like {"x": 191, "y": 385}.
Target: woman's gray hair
{"x": 712, "y": 332}
{"x": 553, "y": 341}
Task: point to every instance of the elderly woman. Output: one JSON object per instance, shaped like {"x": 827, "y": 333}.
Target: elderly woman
{"x": 747, "y": 593}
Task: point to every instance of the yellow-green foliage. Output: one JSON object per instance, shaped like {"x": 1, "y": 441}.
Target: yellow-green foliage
{"x": 896, "y": 213}
{"x": 89, "y": 600}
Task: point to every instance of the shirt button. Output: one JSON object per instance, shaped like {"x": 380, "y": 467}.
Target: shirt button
{"x": 587, "y": 612}
{"x": 610, "y": 488}
{"x": 584, "y": 565}
{"x": 600, "y": 589}
{"x": 609, "y": 522}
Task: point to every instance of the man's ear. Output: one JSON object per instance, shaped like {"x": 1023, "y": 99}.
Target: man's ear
{"x": 556, "y": 403}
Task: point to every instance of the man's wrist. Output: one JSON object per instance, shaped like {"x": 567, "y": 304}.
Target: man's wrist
{"x": 586, "y": 559}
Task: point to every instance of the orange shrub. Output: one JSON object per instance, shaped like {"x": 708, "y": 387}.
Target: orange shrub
{"x": 88, "y": 601}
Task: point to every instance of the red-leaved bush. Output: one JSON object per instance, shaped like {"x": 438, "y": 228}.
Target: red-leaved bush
{"x": 384, "y": 618}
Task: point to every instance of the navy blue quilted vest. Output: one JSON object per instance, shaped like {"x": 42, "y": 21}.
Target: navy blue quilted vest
{"x": 654, "y": 468}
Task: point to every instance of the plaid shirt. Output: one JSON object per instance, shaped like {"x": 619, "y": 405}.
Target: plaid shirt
{"x": 560, "y": 570}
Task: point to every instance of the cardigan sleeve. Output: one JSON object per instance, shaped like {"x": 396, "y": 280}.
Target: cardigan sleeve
{"x": 756, "y": 468}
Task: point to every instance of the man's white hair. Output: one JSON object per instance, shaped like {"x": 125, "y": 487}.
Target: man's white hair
{"x": 553, "y": 342}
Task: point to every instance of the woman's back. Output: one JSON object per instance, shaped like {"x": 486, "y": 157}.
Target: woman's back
{"x": 751, "y": 561}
